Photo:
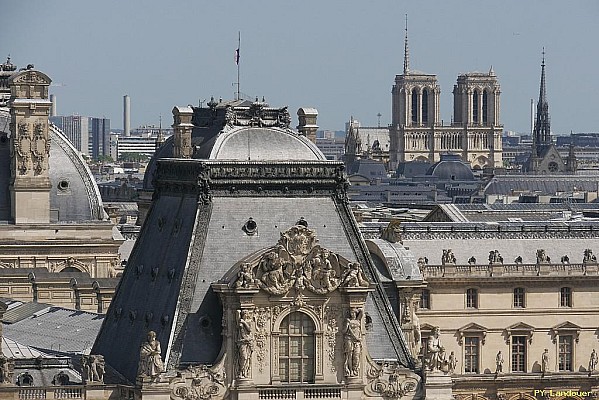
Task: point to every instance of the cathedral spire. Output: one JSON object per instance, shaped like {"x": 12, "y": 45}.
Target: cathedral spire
{"x": 406, "y": 56}
{"x": 542, "y": 133}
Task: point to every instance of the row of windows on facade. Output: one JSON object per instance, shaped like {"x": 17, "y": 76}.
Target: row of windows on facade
{"x": 519, "y": 298}
{"x": 517, "y": 357}
{"x": 476, "y": 118}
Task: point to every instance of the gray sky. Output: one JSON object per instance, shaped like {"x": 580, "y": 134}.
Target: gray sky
{"x": 339, "y": 56}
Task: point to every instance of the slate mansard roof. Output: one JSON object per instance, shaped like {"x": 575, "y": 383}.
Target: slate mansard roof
{"x": 194, "y": 235}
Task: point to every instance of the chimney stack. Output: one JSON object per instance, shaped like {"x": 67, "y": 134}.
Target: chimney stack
{"x": 127, "y": 115}
{"x": 53, "y": 108}
{"x": 307, "y": 122}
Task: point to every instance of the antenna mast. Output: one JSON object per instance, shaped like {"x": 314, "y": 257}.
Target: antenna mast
{"x": 237, "y": 61}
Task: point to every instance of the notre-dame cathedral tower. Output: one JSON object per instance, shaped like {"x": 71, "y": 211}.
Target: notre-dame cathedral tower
{"x": 417, "y": 132}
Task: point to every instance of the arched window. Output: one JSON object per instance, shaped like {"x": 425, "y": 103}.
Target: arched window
{"x": 475, "y": 107}
{"x": 25, "y": 379}
{"x": 297, "y": 348}
{"x": 425, "y": 106}
{"x": 485, "y": 108}
{"x": 414, "y": 106}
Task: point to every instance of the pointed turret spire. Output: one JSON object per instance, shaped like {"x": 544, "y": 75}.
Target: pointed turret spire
{"x": 542, "y": 133}
{"x": 406, "y": 56}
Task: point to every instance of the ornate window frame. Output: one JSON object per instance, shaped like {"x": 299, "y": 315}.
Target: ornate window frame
{"x": 472, "y": 329}
{"x": 565, "y": 328}
{"x": 519, "y": 329}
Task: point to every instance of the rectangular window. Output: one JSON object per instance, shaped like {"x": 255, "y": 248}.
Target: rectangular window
{"x": 425, "y": 299}
{"x": 565, "y": 353}
{"x": 519, "y": 298}
{"x": 423, "y": 349}
{"x": 518, "y": 353}
{"x": 471, "y": 355}
{"x": 566, "y": 297}
{"x": 472, "y": 298}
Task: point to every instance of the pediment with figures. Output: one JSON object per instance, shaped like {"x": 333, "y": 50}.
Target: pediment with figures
{"x": 296, "y": 261}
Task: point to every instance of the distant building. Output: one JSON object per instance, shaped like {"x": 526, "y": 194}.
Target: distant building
{"x": 332, "y": 147}
{"x": 366, "y": 142}
{"x": 76, "y": 129}
{"x": 418, "y": 133}
{"x": 545, "y": 158}
{"x": 99, "y": 134}
{"x": 143, "y": 140}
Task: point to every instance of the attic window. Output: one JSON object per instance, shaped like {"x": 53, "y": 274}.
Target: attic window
{"x": 63, "y": 185}
{"x": 250, "y": 227}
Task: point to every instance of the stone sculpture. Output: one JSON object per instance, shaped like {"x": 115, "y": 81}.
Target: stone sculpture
{"x": 150, "y": 359}
{"x": 593, "y": 362}
{"x": 245, "y": 344}
{"x": 499, "y": 363}
{"x": 352, "y": 342}
{"x": 437, "y": 360}
{"x": 93, "y": 366}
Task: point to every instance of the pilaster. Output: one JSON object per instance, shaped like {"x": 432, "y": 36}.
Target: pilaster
{"x": 30, "y": 147}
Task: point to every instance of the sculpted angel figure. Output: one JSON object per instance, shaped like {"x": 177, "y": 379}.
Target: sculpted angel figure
{"x": 354, "y": 276}
{"x": 272, "y": 270}
{"x": 245, "y": 277}
{"x": 323, "y": 273}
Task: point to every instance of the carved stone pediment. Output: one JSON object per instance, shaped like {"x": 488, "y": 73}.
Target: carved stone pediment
{"x": 200, "y": 382}
{"x": 472, "y": 329}
{"x": 32, "y": 77}
{"x": 565, "y": 328}
{"x": 519, "y": 328}
{"x": 297, "y": 261}
{"x": 68, "y": 263}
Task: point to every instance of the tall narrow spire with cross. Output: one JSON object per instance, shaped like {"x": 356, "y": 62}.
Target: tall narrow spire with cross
{"x": 406, "y": 56}
{"x": 542, "y": 134}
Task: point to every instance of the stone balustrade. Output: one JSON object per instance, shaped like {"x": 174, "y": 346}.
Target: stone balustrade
{"x": 503, "y": 270}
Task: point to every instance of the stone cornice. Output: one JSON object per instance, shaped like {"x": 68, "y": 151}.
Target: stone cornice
{"x": 229, "y": 178}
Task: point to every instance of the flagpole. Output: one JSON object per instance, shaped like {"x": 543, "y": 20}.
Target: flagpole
{"x": 238, "y": 51}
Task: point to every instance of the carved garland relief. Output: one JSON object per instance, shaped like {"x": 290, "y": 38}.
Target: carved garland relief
{"x": 31, "y": 149}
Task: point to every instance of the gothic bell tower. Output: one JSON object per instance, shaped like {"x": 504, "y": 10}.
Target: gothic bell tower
{"x": 476, "y": 99}
{"x": 30, "y": 147}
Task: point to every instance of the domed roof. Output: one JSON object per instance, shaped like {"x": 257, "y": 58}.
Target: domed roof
{"x": 451, "y": 168}
{"x": 74, "y": 196}
{"x": 241, "y": 131}
{"x": 266, "y": 144}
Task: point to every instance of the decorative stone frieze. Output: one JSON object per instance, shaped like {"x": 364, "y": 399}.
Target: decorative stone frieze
{"x": 200, "y": 382}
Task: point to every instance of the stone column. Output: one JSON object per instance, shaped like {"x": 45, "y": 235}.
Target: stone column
{"x": 480, "y": 107}
{"x": 419, "y": 107}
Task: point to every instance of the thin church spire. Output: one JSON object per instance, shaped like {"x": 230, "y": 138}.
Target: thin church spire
{"x": 406, "y": 57}
{"x": 542, "y": 134}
